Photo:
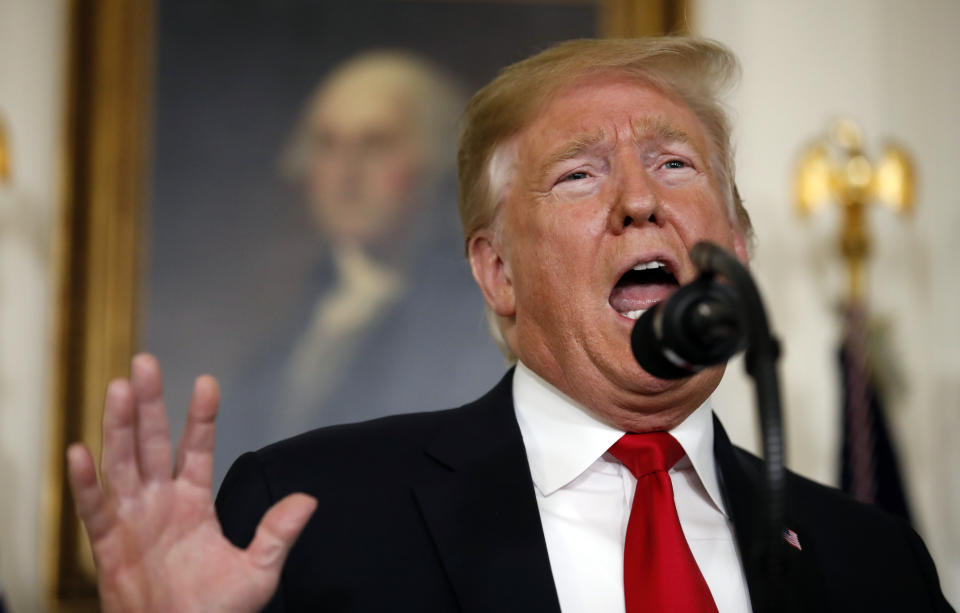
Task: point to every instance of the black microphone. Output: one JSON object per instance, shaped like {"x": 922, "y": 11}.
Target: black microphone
{"x": 702, "y": 324}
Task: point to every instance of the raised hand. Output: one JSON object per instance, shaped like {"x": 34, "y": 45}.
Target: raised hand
{"x": 154, "y": 533}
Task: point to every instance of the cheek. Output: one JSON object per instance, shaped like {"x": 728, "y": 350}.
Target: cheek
{"x": 701, "y": 216}
{"x": 557, "y": 254}
{"x": 557, "y": 241}
{"x": 396, "y": 175}
{"x": 393, "y": 180}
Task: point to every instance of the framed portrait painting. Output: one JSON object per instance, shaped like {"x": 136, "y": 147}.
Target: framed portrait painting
{"x": 266, "y": 191}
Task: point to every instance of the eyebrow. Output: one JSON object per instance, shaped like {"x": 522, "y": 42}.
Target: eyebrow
{"x": 572, "y": 149}
{"x": 659, "y": 129}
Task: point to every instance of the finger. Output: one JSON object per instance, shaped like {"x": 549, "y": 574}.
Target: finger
{"x": 278, "y": 530}
{"x": 153, "y": 429}
{"x": 87, "y": 495}
{"x": 195, "y": 450}
{"x": 119, "y": 465}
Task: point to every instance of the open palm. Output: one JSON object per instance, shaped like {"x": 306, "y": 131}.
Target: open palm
{"x": 154, "y": 533}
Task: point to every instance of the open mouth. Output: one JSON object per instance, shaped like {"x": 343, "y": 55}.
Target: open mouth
{"x": 641, "y": 287}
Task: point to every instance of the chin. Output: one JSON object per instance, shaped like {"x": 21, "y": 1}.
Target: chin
{"x": 641, "y": 382}
{"x": 667, "y": 393}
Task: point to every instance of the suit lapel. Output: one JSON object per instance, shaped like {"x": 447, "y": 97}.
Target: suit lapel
{"x": 741, "y": 480}
{"x": 480, "y": 508}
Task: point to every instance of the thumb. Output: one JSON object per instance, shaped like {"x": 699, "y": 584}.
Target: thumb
{"x": 278, "y": 530}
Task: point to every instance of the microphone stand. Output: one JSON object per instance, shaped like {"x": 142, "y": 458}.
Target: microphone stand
{"x": 703, "y": 324}
{"x": 761, "y": 357}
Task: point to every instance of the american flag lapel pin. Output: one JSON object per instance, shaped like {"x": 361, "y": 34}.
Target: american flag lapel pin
{"x": 791, "y": 538}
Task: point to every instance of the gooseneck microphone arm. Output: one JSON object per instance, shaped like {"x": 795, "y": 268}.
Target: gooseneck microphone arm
{"x": 705, "y": 323}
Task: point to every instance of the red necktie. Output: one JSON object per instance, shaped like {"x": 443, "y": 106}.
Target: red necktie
{"x": 659, "y": 572}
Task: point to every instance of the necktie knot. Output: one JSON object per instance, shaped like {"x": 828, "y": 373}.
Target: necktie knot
{"x": 648, "y": 452}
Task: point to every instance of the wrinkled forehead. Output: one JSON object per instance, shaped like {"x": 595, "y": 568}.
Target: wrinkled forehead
{"x": 600, "y": 108}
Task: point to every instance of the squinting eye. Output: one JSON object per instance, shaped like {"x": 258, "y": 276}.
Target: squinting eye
{"x": 575, "y": 176}
{"x": 676, "y": 164}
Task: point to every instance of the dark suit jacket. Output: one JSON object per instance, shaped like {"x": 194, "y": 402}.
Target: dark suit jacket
{"x": 436, "y": 512}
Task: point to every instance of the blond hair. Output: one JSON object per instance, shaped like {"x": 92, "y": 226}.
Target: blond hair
{"x": 696, "y": 71}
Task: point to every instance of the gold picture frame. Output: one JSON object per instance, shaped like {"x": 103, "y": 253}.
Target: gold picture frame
{"x": 97, "y": 251}
{"x": 99, "y": 246}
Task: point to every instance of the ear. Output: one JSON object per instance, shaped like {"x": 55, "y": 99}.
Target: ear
{"x": 492, "y": 273}
{"x": 740, "y": 247}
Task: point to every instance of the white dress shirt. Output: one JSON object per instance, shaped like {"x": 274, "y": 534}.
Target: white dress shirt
{"x": 584, "y": 495}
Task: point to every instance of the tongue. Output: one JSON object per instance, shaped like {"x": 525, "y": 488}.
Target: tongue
{"x": 636, "y": 297}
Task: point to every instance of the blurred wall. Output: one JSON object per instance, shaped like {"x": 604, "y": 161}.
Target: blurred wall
{"x": 892, "y": 66}
{"x": 32, "y": 64}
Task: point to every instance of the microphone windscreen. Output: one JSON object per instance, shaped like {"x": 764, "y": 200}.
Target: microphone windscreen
{"x": 648, "y": 349}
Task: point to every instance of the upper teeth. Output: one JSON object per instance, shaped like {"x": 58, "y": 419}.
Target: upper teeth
{"x": 649, "y": 265}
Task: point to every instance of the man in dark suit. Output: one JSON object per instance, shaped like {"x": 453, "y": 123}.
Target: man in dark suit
{"x": 580, "y": 482}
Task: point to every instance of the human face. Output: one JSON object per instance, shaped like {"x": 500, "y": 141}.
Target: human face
{"x": 366, "y": 163}
{"x": 612, "y": 174}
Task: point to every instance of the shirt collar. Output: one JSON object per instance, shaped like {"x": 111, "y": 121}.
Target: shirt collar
{"x": 563, "y": 438}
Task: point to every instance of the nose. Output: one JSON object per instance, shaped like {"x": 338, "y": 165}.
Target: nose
{"x": 341, "y": 166}
{"x": 637, "y": 200}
